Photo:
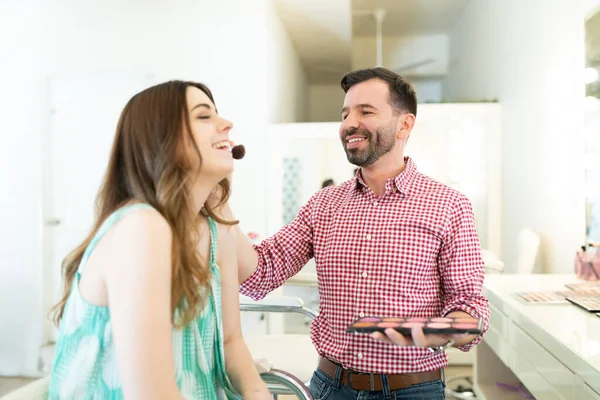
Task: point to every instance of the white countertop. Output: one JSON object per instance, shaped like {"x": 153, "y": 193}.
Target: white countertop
{"x": 570, "y": 333}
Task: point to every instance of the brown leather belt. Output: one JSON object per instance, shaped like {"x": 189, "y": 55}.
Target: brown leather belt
{"x": 361, "y": 381}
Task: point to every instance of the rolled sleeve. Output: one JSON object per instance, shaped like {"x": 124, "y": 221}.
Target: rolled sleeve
{"x": 462, "y": 269}
{"x": 282, "y": 255}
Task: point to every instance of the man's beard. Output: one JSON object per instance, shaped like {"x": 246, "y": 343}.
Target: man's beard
{"x": 378, "y": 145}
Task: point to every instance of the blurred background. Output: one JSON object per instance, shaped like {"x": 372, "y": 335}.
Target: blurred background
{"x": 509, "y": 114}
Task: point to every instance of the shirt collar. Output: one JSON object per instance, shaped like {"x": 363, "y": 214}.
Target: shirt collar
{"x": 402, "y": 182}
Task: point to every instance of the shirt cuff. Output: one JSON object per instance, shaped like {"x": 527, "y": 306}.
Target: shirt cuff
{"x": 472, "y": 311}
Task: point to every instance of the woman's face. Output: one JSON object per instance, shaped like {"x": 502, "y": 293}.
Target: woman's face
{"x": 211, "y": 133}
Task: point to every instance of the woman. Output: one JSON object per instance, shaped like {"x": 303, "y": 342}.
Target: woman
{"x": 150, "y": 309}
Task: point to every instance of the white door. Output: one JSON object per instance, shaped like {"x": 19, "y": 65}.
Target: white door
{"x": 83, "y": 115}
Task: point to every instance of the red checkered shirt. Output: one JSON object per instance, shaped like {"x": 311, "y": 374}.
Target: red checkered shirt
{"x": 411, "y": 252}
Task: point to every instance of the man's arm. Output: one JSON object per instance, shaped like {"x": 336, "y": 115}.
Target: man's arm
{"x": 264, "y": 267}
{"x": 462, "y": 270}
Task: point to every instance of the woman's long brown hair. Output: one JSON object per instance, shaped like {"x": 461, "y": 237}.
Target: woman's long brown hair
{"x": 146, "y": 165}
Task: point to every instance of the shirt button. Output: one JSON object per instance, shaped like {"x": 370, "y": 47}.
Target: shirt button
{"x": 375, "y": 203}
{"x": 359, "y": 355}
{"x": 368, "y": 237}
{"x": 364, "y": 274}
{"x": 361, "y": 314}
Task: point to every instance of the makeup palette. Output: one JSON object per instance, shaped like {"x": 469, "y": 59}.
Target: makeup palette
{"x": 588, "y": 303}
{"x": 544, "y": 297}
{"x": 552, "y": 297}
{"x": 435, "y": 325}
{"x": 585, "y": 286}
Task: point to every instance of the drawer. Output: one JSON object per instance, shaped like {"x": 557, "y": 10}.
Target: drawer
{"x": 498, "y": 344}
{"x": 590, "y": 394}
{"x": 499, "y": 321}
{"x": 533, "y": 381}
{"x": 548, "y": 367}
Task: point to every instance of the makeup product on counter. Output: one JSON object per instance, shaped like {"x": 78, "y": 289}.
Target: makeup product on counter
{"x": 433, "y": 325}
{"x": 544, "y": 297}
{"x": 585, "y": 286}
{"x": 558, "y": 297}
{"x": 588, "y": 303}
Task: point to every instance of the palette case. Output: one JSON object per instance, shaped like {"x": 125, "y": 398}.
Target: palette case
{"x": 584, "y": 286}
{"x": 433, "y": 325}
{"x": 588, "y": 303}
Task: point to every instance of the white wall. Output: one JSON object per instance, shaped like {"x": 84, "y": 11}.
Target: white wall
{"x": 428, "y": 90}
{"x": 20, "y": 184}
{"x": 287, "y": 80}
{"x": 532, "y": 62}
{"x": 233, "y": 52}
{"x": 325, "y": 103}
{"x": 399, "y": 51}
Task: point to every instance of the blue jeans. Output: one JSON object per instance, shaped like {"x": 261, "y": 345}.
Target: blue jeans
{"x": 324, "y": 387}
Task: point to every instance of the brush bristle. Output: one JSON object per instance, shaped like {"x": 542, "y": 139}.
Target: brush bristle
{"x": 238, "y": 152}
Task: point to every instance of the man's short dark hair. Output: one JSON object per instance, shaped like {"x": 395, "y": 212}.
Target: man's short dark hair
{"x": 402, "y": 94}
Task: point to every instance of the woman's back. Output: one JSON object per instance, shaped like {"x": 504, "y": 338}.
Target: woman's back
{"x": 86, "y": 364}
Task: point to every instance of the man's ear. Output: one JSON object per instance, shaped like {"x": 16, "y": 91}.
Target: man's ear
{"x": 405, "y": 125}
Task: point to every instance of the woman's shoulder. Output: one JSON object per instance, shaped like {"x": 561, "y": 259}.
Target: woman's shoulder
{"x": 140, "y": 221}
{"x": 136, "y": 232}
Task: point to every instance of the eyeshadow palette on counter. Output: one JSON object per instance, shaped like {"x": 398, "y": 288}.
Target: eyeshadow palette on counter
{"x": 434, "y": 325}
{"x": 544, "y": 297}
{"x": 588, "y": 303}
{"x": 559, "y": 297}
{"x": 585, "y": 286}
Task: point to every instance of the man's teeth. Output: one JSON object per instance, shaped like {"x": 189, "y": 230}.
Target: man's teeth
{"x": 355, "y": 140}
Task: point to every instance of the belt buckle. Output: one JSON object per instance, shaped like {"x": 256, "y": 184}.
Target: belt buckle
{"x": 372, "y": 382}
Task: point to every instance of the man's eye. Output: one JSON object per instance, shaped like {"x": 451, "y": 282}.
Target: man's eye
{"x": 366, "y": 112}
{"x": 204, "y": 117}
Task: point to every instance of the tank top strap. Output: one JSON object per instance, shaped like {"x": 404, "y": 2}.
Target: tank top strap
{"x": 213, "y": 241}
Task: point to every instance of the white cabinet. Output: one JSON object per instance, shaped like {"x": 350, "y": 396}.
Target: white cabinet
{"x": 550, "y": 349}
{"x": 590, "y": 394}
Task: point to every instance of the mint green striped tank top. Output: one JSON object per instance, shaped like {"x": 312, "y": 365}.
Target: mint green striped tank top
{"x": 85, "y": 364}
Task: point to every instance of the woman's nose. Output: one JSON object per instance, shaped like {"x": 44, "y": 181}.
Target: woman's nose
{"x": 226, "y": 125}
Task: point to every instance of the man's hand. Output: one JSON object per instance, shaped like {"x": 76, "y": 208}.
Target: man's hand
{"x": 418, "y": 338}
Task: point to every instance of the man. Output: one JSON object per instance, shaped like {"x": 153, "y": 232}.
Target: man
{"x": 391, "y": 242}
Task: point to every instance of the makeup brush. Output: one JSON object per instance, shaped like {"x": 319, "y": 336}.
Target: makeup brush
{"x": 238, "y": 151}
